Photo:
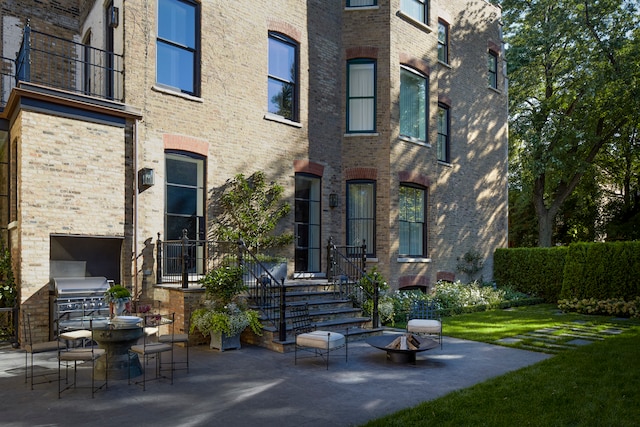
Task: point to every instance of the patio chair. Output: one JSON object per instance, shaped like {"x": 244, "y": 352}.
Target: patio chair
{"x": 32, "y": 348}
{"x": 424, "y": 319}
{"x": 308, "y": 338}
{"x": 179, "y": 338}
{"x": 149, "y": 348}
{"x": 81, "y": 355}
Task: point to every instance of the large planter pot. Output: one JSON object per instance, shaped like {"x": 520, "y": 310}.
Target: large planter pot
{"x": 223, "y": 342}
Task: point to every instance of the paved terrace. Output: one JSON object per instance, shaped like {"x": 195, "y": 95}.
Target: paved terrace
{"x": 255, "y": 386}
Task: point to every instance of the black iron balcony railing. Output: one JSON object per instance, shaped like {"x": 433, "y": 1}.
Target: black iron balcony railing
{"x": 64, "y": 64}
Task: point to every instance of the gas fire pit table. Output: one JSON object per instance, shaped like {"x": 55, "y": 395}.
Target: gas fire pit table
{"x": 399, "y": 353}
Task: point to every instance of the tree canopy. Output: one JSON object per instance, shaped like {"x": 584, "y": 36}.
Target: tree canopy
{"x": 573, "y": 71}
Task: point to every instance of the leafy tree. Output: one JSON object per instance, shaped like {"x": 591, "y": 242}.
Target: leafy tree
{"x": 250, "y": 209}
{"x": 574, "y": 73}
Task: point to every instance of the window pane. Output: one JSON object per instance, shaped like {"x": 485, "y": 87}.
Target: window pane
{"x": 442, "y": 42}
{"x": 414, "y": 9}
{"x": 282, "y": 59}
{"x": 443, "y": 134}
{"x": 280, "y": 98}
{"x": 356, "y": 3}
{"x": 176, "y": 22}
{"x": 413, "y": 104}
{"x": 181, "y": 200}
{"x": 181, "y": 172}
{"x": 361, "y": 80}
{"x": 175, "y": 67}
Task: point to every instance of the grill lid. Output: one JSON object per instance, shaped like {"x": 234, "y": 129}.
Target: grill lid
{"x": 80, "y": 286}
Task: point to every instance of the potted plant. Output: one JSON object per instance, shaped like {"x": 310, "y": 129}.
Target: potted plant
{"x": 226, "y": 313}
{"x": 118, "y": 297}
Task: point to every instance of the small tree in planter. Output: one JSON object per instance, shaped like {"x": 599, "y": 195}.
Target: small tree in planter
{"x": 226, "y": 313}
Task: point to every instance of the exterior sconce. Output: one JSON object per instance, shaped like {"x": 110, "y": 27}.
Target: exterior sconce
{"x": 147, "y": 177}
{"x": 113, "y": 17}
{"x": 333, "y": 200}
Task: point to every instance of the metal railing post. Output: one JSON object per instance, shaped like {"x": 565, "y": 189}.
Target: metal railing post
{"x": 185, "y": 274}
{"x": 159, "y": 260}
{"x": 282, "y": 333}
{"x": 376, "y": 294}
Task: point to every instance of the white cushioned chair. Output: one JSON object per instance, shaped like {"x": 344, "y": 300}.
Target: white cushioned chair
{"x": 424, "y": 319}
{"x": 308, "y": 338}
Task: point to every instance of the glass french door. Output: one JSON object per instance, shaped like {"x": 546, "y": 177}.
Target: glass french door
{"x": 307, "y": 224}
{"x": 184, "y": 205}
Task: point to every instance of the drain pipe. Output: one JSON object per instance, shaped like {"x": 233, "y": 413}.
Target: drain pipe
{"x": 135, "y": 210}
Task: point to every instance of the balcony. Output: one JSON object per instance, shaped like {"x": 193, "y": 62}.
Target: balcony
{"x": 57, "y": 63}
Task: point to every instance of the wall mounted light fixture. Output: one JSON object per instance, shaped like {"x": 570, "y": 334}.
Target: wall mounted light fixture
{"x": 333, "y": 200}
{"x": 113, "y": 17}
{"x": 147, "y": 177}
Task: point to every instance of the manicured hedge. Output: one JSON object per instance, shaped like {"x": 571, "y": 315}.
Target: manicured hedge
{"x": 602, "y": 271}
{"x": 581, "y": 270}
{"x": 534, "y": 271}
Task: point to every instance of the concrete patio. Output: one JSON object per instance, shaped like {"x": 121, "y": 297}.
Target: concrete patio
{"x": 255, "y": 386}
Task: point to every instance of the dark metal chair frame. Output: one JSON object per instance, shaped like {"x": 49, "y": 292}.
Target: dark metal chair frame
{"x": 154, "y": 349}
{"x": 82, "y": 355}
{"x": 301, "y": 324}
{"x": 32, "y": 348}
{"x": 427, "y": 310}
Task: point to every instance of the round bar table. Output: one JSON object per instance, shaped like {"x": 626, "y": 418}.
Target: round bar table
{"x": 117, "y": 340}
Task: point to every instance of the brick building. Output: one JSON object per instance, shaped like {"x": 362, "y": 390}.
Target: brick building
{"x": 385, "y": 121}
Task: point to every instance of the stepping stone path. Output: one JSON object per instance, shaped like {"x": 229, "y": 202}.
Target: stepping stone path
{"x": 563, "y": 337}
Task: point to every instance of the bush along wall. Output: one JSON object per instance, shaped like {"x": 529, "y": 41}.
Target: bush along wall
{"x": 533, "y": 271}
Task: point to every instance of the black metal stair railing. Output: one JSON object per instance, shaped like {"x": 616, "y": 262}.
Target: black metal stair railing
{"x": 346, "y": 268}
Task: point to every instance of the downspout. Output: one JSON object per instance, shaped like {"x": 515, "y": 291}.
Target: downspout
{"x": 135, "y": 210}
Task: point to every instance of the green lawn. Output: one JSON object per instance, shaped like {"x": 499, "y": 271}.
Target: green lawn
{"x": 592, "y": 385}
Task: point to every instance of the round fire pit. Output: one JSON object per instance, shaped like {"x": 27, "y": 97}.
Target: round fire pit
{"x": 399, "y": 353}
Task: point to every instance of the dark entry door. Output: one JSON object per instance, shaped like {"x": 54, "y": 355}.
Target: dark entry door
{"x": 307, "y": 224}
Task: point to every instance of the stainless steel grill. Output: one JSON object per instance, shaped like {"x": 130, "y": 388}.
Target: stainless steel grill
{"x": 78, "y": 299}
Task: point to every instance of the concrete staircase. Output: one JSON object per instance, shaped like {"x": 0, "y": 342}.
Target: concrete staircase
{"x": 328, "y": 310}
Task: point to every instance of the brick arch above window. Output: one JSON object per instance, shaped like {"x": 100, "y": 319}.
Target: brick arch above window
{"x": 286, "y": 29}
{"x": 493, "y": 47}
{"x": 413, "y": 282}
{"x": 414, "y": 178}
{"x": 185, "y": 143}
{"x": 362, "y": 52}
{"x": 361, "y": 173}
{"x": 305, "y": 166}
{"x": 443, "y": 99}
{"x": 415, "y": 63}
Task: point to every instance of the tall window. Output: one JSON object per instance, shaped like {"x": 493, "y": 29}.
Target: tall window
{"x": 184, "y": 197}
{"x": 361, "y": 214}
{"x": 492, "y": 59}
{"x": 413, "y": 227}
{"x": 443, "y": 42}
{"x": 413, "y": 105}
{"x": 177, "y": 61}
{"x": 283, "y": 76}
{"x": 361, "y": 3}
{"x": 443, "y": 133}
{"x": 361, "y": 95}
{"x": 417, "y": 9}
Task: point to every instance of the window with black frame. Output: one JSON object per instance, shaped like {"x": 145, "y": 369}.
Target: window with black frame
{"x": 443, "y": 147}
{"x": 413, "y": 105}
{"x": 361, "y": 95}
{"x": 283, "y": 77}
{"x": 177, "y": 45}
{"x": 361, "y": 214}
{"x": 412, "y": 221}
{"x": 416, "y": 9}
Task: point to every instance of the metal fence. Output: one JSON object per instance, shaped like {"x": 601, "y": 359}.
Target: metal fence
{"x": 64, "y": 64}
